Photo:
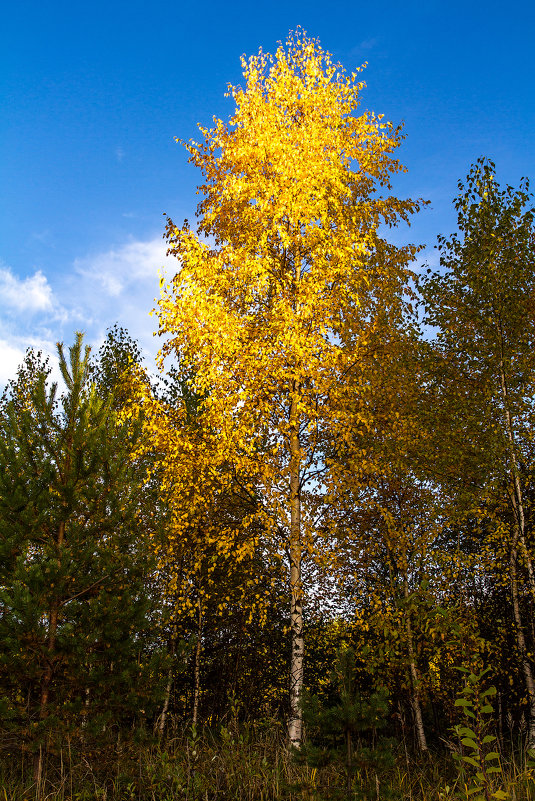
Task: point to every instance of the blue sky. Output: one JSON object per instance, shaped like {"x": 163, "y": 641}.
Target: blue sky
{"x": 93, "y": 95}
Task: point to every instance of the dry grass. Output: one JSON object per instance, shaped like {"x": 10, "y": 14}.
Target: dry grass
{"x": 249, "y": 764}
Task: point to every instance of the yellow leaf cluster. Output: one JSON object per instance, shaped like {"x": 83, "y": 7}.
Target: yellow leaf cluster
{"x": 271, "y": 302}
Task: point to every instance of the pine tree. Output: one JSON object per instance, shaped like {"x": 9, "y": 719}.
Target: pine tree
{"x": 334, "y": 724}
{"x": 72, "y": 565}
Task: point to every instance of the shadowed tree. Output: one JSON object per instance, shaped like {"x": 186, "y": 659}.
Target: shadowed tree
{"x": 482, "y": 305}
{"x": 74, "y": 608}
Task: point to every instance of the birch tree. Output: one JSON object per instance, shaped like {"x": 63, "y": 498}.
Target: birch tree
{"x": 266, "y": 305}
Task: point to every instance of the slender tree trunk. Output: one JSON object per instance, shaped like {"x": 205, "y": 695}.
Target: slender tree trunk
{"x": 197, "y": 666}
{"x": 415, "y": 679}
{"x": 517, "y": 494}
{"x": 295, "y": 727}
{"x": 46, "y": 680}
{"x": 349, "y": 763}
{"x": 519, "y": 539}
{"x": 521, "y": 642}
{"x": 169, "y": 685}
{"x": 500, "y": 722}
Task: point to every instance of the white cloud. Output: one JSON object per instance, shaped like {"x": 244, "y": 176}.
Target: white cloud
{"x": 118, "y": 285}
{"x": 13, "y": 350}
{"x": 10, "y": 358}
{"x": 28, "y": 295}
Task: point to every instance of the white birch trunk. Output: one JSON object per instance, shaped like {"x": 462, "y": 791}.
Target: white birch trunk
{"x": 295, "y": 727}
{"x": 168, "y": 688}
{"x": 197, "y": 668}
{"x": 415, "y": 679}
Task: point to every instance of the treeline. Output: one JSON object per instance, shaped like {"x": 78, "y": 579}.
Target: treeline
{"x": 140, "y": 589}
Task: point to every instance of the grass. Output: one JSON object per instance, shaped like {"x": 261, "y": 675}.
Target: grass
{"x": 248, "y": 763}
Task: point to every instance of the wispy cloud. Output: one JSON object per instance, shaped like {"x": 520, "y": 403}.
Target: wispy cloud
{"x": 119, "y": 285}
{"x": 361, "y": 50}
{"x": 121, "y": 267}
{"x": 367, "y": 44}
{"x": 10, "y": 358}
{"x": 13, "y": 349}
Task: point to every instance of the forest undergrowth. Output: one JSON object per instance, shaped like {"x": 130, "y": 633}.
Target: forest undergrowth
{"x": 246, "y": 763}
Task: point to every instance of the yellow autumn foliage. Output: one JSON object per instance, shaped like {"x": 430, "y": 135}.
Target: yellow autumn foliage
{"x": 270, "y": 302}
{"x": 276, "y": 292}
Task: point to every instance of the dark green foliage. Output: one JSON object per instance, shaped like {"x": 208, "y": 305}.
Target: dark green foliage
{"x": 74, "y": 561}
{"x": 481, "y": 305}
{"x": 343, "y": 729}
{"x": 118, "y": 354}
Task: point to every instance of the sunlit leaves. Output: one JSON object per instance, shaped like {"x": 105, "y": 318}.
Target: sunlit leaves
{"x": 271, "y": 301}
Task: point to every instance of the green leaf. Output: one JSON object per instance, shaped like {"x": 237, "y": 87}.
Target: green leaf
{"x": 470, "y": 743}
{"x": 471, "y": 761}
{"x": 492, "y": 755}
{"x": 500, "y": 795}
{"x": 487, "y": 709}
{"x": 463, "y": 702}
{"x": 464, "y": 731}
{"x": 488, "y": 738}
